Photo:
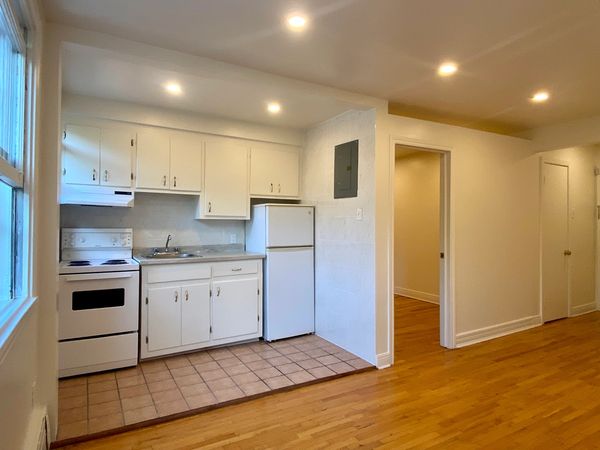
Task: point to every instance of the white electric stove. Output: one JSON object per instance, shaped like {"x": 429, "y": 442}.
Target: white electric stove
{"x": 98, "y": 300}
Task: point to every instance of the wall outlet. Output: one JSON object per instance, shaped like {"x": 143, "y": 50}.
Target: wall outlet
{"x": 359, "y": 214}
{"x": 233, "y": 239}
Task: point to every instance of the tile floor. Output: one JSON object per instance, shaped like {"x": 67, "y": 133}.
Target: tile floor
{"x": 172, "y": 385}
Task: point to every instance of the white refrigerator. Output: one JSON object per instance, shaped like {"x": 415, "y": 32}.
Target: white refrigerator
{"x": 285, "y": 233}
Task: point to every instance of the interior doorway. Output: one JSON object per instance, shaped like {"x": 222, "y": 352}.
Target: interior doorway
{"x": 421, "y": 313}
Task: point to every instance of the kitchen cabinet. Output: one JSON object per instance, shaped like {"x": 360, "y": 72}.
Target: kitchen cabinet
{"x": 235, "y": 306}
{"x": 186, "y": 162}
{"x": 195, "y": 313}
{"x": 95, "y": 156}
{"x": 225, "y": 181}
{"x": 189, "y": 306}
{"x": 164, "y": 317}
{"x": 153, "y": 160}
{"x": 169, "y": 162}
{"x": 274, "y": 171}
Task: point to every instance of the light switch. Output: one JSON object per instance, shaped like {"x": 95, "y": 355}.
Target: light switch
{"x": 359, "y": 213}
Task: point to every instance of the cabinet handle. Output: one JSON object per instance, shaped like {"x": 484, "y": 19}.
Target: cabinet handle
{"x": 187, "y": 296}
{"x": 237, "y": 269}
{"x": 164, "y": 180}
{"x": 218, "y": 291}
{"x": 174, "y": 181}
{"x": 279, "y": 188}
{"x": 176, "y": 296}
{"x": 106, "y": 175}
{"x": 209, "y": 206}
{"x": 271, "y": 184}
{"x": 93, "y": 174}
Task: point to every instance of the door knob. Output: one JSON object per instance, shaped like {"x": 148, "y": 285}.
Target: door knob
{"x": 567, "y": 252}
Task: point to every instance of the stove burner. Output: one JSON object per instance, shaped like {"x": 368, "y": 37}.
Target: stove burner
{"x": 114, "y": 262}
{"x": 79, "y": 263}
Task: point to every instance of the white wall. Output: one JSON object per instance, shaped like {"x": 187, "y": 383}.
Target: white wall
{"x": 582, "y": 225}
{"x": 344, "y": 246}
{"x": 417, "y": 226}
{"x": 153, "y": 217}
{"x": 494, "y": 243}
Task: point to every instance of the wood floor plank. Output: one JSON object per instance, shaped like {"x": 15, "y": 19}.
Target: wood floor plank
{"x": 535, "y": 389}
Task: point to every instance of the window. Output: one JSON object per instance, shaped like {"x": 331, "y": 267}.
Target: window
{"x": 12, "y": 151}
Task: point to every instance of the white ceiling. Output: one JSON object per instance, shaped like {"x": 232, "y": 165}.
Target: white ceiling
{"x": 104, "y": 74}
{"x": 387, "y": 48}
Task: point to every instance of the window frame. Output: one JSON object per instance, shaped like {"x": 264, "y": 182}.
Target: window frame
{"x": 23, "y": 176}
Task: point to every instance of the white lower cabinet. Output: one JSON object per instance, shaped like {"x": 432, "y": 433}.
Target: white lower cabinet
{"x": 196, "y": 305}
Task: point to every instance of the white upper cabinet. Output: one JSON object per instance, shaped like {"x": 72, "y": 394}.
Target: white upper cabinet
{"x": 225, "y": 181}
{"x": 186, "y": 162}
{"x": 116, "y": 155}
{"x": 274, "y": 171}
{"x": 97, "y": 156}
{"x": 153, "y": 158}
{"x": 81, "y": 155}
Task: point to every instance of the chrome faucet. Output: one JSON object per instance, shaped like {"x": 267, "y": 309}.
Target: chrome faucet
{"x": 169, "y": 237}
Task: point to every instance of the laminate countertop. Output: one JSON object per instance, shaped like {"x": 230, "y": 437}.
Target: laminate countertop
{"x": 203, "y": 253}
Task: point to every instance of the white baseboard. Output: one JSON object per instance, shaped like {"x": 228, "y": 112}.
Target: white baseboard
{"x": 583, "y": 309}
{"x": 417, "y": 295}
{"x": 384, "y": 360}
{"x": 494, "y": 331}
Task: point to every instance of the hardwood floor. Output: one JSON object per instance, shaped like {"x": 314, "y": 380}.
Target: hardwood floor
{"x": 535, "y": 389}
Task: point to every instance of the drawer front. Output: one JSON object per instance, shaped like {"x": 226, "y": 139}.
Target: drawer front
{"x": 225, "y": 269}
{"x": 177, "y": 272}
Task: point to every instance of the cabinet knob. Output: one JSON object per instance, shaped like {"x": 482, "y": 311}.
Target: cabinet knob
{"x": 174, "y": 181}
{"x": 176, "y": 296}
{"x": 279, "y": 188}
{"x": 271, "y": 187}
{"x": 106, "y": 175}
{"x": 209, "y": 206}
{"x": 218, "y": 291}
{"x": 187, "y": 296}
{"x": 164, "y": 180}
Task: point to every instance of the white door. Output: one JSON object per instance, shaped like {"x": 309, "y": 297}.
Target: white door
{"x": 555, "y": 241}
{"x": 164, "y": 318}
{"x": 261, "y": 172}
{"x": 81, "y": 155}
{"x": 195, "y": 313}
{"x": 153, "y": 160}
{"x": 235, "y": 307}
{"x": 289, "y": 293}
{"x": 290, "y": 226}
{"x": 116, "y": 149}
{"x": 288, "y": 169}
{"x": 226, "y": 179}
{"x": 186, "y": 162}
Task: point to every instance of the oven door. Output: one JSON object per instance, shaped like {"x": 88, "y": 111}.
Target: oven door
{"x": 96, "y": 304}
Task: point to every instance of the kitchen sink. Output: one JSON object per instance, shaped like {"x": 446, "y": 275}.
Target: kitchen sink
{"x": 171, "y": 255}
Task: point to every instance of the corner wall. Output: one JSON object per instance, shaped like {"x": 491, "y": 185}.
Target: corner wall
{"x": 344, "y": 245}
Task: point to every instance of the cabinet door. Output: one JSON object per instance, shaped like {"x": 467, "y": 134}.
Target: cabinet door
{"x": 186, "y": 163}
{"x": 235, "y": 307}
{"x": 116, "y": 148}
{"x": 195, "y": 313}
{"x": 288, "y": 168}
{"x": 153, "y": 160}
{"x": 262, "y": 181}
{"x": 164, "y": 317}
{"x": 226, "y": 179}
{"x": 81, "y": 155}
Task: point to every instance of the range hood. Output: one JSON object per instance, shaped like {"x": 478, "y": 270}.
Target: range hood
{"x": 96, "y": 196}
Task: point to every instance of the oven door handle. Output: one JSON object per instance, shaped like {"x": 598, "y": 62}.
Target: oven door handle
{"x": 97, "y": 276}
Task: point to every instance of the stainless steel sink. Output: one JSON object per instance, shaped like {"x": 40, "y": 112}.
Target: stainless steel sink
{"x": 171, "y": 255}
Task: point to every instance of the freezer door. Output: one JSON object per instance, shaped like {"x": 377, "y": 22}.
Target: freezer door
{"x": 290, "y": 226}
{"x": 289, "y": 293}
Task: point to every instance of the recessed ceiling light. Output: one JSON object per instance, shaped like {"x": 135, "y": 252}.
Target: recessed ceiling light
{"x": 296, "y": 21}
{"x": 274, "y": 107}
{"x": 540, "y": 97}
{"x": 173, "y": 88}
{"x": 446, "y": 69}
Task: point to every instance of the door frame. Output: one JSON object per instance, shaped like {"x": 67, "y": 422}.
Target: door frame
{"x": 447, "y": 306}
{"x": 567, "y": 164}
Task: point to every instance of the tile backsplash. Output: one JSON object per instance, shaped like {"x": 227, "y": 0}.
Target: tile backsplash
{"x": 153, "y": 217}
